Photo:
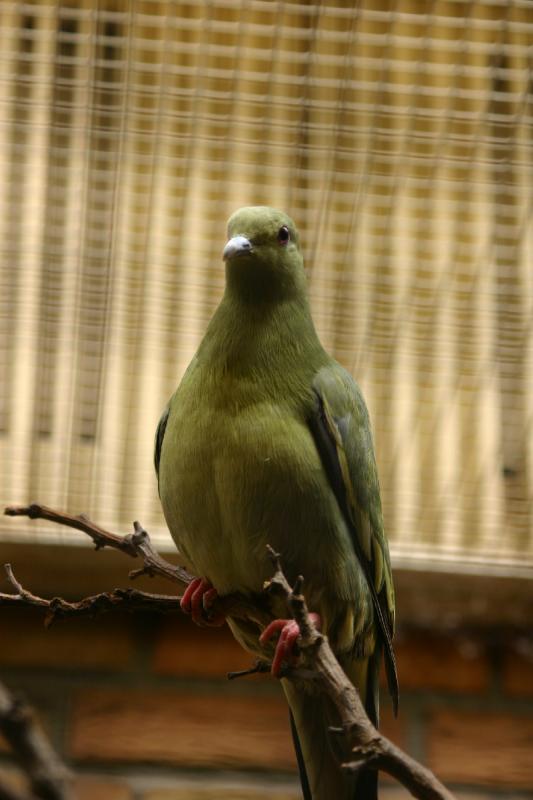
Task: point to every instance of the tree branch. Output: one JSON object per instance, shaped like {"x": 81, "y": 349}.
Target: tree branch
{"x": 318, "y": 663}
{"x": 319, "y": 666}
{"x": 49, "y": 778}
{"x": 119, "y": 599}
{"x": 134, "y": 544}
{"x": 137, "y": 544}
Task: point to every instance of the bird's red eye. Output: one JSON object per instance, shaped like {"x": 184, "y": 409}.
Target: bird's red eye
{"x": 284, "y": 235}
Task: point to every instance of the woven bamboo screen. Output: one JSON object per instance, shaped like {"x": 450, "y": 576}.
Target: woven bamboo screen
{"x": 399, "y": 136}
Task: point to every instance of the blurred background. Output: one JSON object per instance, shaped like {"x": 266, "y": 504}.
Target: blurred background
{"x": 399, "y": 136}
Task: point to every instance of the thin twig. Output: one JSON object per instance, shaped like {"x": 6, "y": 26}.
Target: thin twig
{"x": 57, "y": 608}
{"x": 48, "y": 776}
{"x": 134, "y": 544}
{"x": 258, "y": 668}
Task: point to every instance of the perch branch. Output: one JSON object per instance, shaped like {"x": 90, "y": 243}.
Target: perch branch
{"x": 136, "y": 544}
{"x": 318, "y": 664}
{"x": 119, "y": 599}
{"x": 369, "y": 747}
{"x": 49, "y": 778}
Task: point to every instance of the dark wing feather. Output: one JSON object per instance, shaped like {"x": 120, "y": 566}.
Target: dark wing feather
{"x": 159, "y": 436}
{"x": 350, "y": 466}
{"x": 304, "y": 780}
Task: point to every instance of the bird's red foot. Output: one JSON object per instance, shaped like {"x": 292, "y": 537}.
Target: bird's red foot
{"x": 198, "y": 599}
{"x": 288, "y": 637}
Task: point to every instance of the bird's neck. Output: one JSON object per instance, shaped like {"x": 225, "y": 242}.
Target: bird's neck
{"x": 270, "y": 338}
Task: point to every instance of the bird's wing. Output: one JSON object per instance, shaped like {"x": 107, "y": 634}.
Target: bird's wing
{"x": 159, "y": 436}
{"x": 162, "y": 424}
{"x": 341, "y": 429}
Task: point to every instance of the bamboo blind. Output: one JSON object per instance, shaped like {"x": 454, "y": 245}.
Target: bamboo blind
{"x": 399, "y": 136}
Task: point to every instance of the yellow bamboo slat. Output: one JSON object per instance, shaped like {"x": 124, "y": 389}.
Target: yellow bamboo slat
{"x": 399, "y": 137}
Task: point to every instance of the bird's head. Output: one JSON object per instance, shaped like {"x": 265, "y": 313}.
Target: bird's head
{"x": 262, "y": 255}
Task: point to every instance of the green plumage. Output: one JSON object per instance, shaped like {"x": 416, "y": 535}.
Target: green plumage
{"x": 267, "y": 441}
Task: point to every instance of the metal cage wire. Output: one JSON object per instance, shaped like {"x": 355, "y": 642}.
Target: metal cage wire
{"x": 399, "y": 136}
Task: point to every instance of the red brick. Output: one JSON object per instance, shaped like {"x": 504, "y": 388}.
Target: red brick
{"x": 269, "y": 791}
{"x": 88, "y": 788}
{"x": 395, "y": 729}
{"x": 217, "y": 792}
{"x": 488, "y": 749}
{"x": 192, "y": 730}
{"x": 85, "y": 788}
{"x": 395, "y": 791}
{"x": 518, "y": 674}
{"x": 106, "y": 643}
{"x": 440, "y": 663}
{"x": 13, "y": 778}
{"x": 182, "y": 648}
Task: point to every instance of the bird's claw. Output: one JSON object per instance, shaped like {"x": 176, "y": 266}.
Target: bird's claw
{"x": 287, "y": 645}
{"x": 198, "y": 599}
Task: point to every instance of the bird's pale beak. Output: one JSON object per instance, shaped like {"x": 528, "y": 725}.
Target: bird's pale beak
{"x": 237, "y": 246}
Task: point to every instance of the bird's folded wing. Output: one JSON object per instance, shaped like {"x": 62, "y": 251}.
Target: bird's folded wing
{"x": 341, "y": 429}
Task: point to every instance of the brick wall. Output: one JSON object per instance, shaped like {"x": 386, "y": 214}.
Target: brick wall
{"x": 141, "y": 709}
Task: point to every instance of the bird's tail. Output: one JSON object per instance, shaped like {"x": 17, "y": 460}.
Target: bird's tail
{"x": 318, "y": 751}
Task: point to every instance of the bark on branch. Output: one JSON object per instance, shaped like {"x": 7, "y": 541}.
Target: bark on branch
{"x": 48, "y": 776}
{"x": 318, "y": 664}
{"x": 58, "y": 608}
{"x": 135, "y": 545}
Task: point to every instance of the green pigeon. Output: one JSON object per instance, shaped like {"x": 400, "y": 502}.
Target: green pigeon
{"x": 267, "y": 440}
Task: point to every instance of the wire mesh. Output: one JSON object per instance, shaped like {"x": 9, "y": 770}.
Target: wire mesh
{"x": 399, "y": 136}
